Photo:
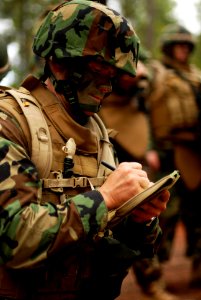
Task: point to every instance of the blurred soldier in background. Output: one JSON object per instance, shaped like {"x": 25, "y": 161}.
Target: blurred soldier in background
{"x": 124, "y": 114}
{"x": 4, "y": 61}
{"x": 175, "y": 103}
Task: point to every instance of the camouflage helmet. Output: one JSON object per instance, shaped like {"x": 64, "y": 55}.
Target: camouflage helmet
{"x": 4, "y": 62}
{"x": 173, "y": 34}
{"x": 82, "y": 28}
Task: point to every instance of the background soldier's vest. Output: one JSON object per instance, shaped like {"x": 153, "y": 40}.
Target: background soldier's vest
{"x": 49, "y": 132}
{"x": 175, "y": 116}
{"x": 173, "y": 104}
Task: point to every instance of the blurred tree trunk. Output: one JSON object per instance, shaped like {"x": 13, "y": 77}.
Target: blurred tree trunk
{"x": 151, "y": 14}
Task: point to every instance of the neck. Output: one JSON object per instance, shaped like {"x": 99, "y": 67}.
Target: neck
{"x": 78, "y": 115}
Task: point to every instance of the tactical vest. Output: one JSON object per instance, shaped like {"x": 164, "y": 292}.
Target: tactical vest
{"x": 175, "y": 117}
{"x": 47, "y": 127}
{"x": 172, "y": 105}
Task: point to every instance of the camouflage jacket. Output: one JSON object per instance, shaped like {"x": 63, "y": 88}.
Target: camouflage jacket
{"x": 54, "y": 244}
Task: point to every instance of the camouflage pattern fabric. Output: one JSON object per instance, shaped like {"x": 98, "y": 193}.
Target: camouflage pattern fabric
{"x": 33, "y": 233}
{"x": 20, "y": 203}
{"x": 57, "y": 248}
{"x": 85, "y": 28}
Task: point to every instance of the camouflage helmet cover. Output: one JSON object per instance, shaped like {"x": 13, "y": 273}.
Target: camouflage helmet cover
{"x": 80, "y": 28}
{"x": 173, "y": 34}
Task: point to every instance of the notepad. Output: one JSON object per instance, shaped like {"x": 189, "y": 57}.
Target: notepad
{"x": 165, "y": 183}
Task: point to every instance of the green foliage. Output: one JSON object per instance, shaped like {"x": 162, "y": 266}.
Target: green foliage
{"x": 147, "y": 16}
{"x": 24, "y": 14}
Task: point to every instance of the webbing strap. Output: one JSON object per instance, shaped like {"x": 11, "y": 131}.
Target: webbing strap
{"x": 41, "y": 140}
{"x": 73, "y": 182}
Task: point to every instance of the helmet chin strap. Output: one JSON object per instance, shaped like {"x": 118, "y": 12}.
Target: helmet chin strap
{"x": 90, "y": 107}
{"x": 68, "y": 88}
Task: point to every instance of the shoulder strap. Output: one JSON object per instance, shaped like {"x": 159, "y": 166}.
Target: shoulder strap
{"x": 107, "y": 151}
{"x": 41, "y": 140}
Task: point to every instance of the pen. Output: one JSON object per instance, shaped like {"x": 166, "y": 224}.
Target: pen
{"x": 104, "y": 163}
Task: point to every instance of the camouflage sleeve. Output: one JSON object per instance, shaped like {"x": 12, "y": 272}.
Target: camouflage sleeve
{"x": 144, "y": 239}
{"x": 30, "y": 231}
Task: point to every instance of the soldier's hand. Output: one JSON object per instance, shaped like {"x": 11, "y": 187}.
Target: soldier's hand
{"x": 125, "y": 182}
{"x": 151, "y": 209}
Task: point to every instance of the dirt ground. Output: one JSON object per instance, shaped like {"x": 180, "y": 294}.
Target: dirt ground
{"x": 176, "y": 274}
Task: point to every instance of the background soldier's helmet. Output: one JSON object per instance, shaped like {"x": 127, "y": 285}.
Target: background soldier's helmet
{"x": 4, "y": 62}
{"x": 173, "y": 34}
{"x": 81, "y": 28}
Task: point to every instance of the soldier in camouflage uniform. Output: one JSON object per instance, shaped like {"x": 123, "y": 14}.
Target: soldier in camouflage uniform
{"x": 56, "y": 242}
{"x": 4, "y": 61}
{"x": 175, "y": 103}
